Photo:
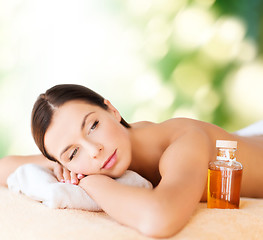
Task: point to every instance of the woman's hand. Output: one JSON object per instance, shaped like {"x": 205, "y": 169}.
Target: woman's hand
{"x": 65, "y": 176}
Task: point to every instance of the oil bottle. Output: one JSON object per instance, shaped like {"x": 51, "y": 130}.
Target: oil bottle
{"x": 224, "y": 177}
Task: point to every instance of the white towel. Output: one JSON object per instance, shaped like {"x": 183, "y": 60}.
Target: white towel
{"x": 40, "y": 184}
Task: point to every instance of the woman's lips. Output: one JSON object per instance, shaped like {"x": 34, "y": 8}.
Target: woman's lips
{"x": 111, "y": 161}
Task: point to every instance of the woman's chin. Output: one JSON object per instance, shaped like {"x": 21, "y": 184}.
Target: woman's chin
{"x": 118, "y": 173}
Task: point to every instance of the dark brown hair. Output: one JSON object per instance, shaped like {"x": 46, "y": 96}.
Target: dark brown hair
{"x": 53, "y": 98}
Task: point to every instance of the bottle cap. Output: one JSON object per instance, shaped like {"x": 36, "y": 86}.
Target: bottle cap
{"x": 226, "y": 144}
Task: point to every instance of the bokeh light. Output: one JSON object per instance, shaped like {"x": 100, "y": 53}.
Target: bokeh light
{"x": 191, "y": 26}
{"x": 246, "y": 100}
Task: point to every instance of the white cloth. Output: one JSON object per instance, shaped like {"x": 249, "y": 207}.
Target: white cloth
{"x": 40, "y": 184}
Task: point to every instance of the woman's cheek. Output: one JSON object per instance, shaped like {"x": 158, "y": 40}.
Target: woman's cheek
{"x": 110, "y": 128}
{"x": 75, "y": 166}
{"x": 76, "y": 169}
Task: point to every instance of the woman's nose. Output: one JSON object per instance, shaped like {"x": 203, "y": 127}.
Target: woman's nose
{"x": 94, "y": 149}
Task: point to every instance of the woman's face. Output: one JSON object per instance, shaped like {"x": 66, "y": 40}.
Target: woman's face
{"x": 87, "y": 139}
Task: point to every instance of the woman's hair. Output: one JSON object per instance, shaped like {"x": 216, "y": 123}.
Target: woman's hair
{"x": 48, "y": 102}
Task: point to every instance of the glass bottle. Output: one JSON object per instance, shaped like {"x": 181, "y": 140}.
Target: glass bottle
{"x": 224, "y": 177}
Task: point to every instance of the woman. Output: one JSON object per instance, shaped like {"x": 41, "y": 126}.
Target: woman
{"x": 84, "y": 135}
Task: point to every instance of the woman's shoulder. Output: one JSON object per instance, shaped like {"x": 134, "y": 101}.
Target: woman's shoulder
{"x": 141, "y": 124}
{"x": 172, "y": 123}
{"x": 168, "y": 130}
{"x": 178, "y": 126}
{"x": 181, "y": 124}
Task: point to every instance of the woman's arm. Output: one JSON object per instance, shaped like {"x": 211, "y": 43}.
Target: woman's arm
{"x": 10, "y": 163}
{"x": 163, "y": 211}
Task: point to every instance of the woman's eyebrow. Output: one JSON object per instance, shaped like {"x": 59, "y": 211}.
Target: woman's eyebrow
{"x": 84, "y": 120}
{"x": 81, "y": 128}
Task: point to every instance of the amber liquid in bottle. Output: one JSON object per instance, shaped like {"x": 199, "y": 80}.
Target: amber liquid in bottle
{"x": 224, "y": 179}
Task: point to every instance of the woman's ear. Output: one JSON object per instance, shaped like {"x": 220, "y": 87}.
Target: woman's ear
{"x": 113, "y": 110}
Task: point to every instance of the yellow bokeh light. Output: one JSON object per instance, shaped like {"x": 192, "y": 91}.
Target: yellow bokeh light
{"x": 224, "y": 41}
{"x": 206, "y": 100}
{"x": 157, "y": 33}
{"x": 164, "y": 97}
{"x": 146, "y": 86}
{"x": 189, "y": 77}
{"x": 191, "y": 25}
{"x": 185, "y": 112}
{"x": 244, "y": 91}
{"x": 247, "y": 51}
{"x": 206, "y": 3}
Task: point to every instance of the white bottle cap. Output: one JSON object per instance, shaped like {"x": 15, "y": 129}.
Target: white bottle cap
{"x": 226, "y": 144}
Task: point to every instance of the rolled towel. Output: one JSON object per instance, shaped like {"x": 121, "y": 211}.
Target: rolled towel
{"x": 40, "y": 184}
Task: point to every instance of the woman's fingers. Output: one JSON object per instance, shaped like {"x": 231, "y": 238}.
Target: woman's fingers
{"x": 58, "y": 171}
{"x": 65, "y": 176}
{"x": 74, "y": 179}
{"x": 80, "y": 176}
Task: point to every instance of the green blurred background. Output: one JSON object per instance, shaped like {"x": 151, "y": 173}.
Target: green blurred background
{"x": 154, "y": 59}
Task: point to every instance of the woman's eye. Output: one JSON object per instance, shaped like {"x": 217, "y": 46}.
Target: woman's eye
{"x": 94, "y": 125}
{"x": 73, "y": 154}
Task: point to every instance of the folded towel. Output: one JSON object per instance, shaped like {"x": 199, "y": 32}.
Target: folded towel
{"x": 40, "y": 184}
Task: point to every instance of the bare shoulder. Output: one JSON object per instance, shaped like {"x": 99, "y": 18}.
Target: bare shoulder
{"x": 172, "y": 123}
{"x": 177, "y": 127}
{"x": 141, "y": 124}
{"x": 192, "y": 148}
{"x": 164, "y": 133}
